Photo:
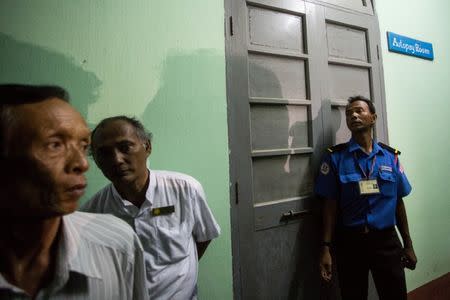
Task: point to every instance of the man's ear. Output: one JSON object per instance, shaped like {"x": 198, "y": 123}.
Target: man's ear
{"x": 374, "y": 116}
{"x": 148, "y": 147}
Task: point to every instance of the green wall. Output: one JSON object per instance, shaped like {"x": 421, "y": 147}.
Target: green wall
{"x": 417, "y": 100}
{"x": 163, "y": 61}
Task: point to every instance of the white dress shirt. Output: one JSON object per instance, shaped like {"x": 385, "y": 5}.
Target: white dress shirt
{"x": 174, "y": 216}
{"x": 98, "y": 257}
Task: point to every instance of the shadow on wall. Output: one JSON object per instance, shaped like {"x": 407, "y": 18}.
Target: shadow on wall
{"x": 184, "y": 112}
{"x": 26, "y": 63}
{"x": 187, "y": 116}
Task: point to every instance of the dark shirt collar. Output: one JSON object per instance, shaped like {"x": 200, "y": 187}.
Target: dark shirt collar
{"x": 354, "y": 146}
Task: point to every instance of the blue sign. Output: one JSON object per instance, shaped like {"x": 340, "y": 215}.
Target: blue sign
{"x": 405, "y": 45}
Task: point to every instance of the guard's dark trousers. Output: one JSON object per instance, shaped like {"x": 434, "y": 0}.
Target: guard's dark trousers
{"x": 380, "y": 252}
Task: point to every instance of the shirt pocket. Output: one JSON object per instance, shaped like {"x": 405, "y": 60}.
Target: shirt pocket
{"x": 387, "y": 183}
{"x": 349, "y": 187}
{"x": 172, "y": 244}
{"x": 350, "y": 178}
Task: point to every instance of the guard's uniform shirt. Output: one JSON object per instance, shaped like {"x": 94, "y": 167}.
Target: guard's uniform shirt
{"x": 340, "y": 173}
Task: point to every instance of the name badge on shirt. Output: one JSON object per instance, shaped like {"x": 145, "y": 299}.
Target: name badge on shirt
{"x": 368, "y": 187}
{"x": 386, "y": 168}
{"x": 165, "y": 210}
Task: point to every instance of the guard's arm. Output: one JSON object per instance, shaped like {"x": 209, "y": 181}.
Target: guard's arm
{"x": 329, "y": 222}
{"x": 409, "y": 258}
{"x": 329, "y": 219}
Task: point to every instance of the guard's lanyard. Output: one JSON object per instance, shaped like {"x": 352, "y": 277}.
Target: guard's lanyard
{"x": 362, "y": 169}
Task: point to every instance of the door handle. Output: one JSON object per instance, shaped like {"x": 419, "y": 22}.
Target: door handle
{"x": 294, "y": 214}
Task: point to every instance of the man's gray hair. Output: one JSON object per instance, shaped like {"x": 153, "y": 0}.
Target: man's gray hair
{"x": 142, "y": 133}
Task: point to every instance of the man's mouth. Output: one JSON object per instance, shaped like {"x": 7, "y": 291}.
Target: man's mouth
{"x": 121, "y": 172}
{"x": 77, "y": 190}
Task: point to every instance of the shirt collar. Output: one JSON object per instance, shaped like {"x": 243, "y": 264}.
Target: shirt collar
{"x": 73, "y": 253}
{"x": 72, "y": 256}
{"x": 376, "y": 147}
{"x": 354, "y": 146}
{"x": 148, "y": 194}
{"x": 4, "y": 284}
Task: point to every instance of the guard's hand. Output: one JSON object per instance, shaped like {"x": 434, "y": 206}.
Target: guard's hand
{"x": 409, "y": 259}
{"x": 325, "y": 264}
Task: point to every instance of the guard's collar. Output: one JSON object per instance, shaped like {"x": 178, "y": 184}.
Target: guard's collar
{"x": 354, "y": 146}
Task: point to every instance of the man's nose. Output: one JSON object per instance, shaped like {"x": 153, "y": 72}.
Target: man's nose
{"x": 117, "y": 156}
{"x": 77, "y": 160}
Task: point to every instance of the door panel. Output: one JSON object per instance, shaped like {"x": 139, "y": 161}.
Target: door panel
{"x": 275, "y": 29}
{"x": 351, "y": 64}
{"x": 291, "y": 66}
{"x": 281, "y": 177}
{"x": 347, "y": 80}
{"x": 279, "y": 127}
{"x": 284, "y": 253}
{"x": 282, "y": 143}
{"x": 346, "y": 42}
{"x": 276, "y": 77}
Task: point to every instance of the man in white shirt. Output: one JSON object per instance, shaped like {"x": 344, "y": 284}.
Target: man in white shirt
{"x": 47, "y": 250}
{"x": 168, "y": 210}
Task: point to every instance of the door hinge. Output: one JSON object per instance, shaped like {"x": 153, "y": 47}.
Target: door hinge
{"x": 231, "y": 26}
{"x": 236, "y": 193}
{"x": 378, "y": 52}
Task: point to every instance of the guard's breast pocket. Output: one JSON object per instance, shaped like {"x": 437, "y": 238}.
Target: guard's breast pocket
{"x": 349, "y": 184}
{"x": 348, "y": 178}
{"x": 173, "y": 244}
{"x": 387, "y": 183}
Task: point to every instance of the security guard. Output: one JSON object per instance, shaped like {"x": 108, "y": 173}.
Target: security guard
{"x": 363, "y": 185}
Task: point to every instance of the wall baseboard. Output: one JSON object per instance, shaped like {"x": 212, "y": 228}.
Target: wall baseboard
{"x": 437, "y": 289}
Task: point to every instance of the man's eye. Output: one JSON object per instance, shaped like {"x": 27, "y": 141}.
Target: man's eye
{"x": 125, "y": 148}
{"x": 85, "y": 147}
{"x": 55, "y": 146}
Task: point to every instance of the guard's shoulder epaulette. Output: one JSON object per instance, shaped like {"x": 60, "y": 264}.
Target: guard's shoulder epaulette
{"x": 338, "y": 147}
{"x": 389, "y": 148}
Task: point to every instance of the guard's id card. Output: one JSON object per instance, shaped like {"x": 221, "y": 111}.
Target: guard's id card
{"x": 368, "y": 187}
